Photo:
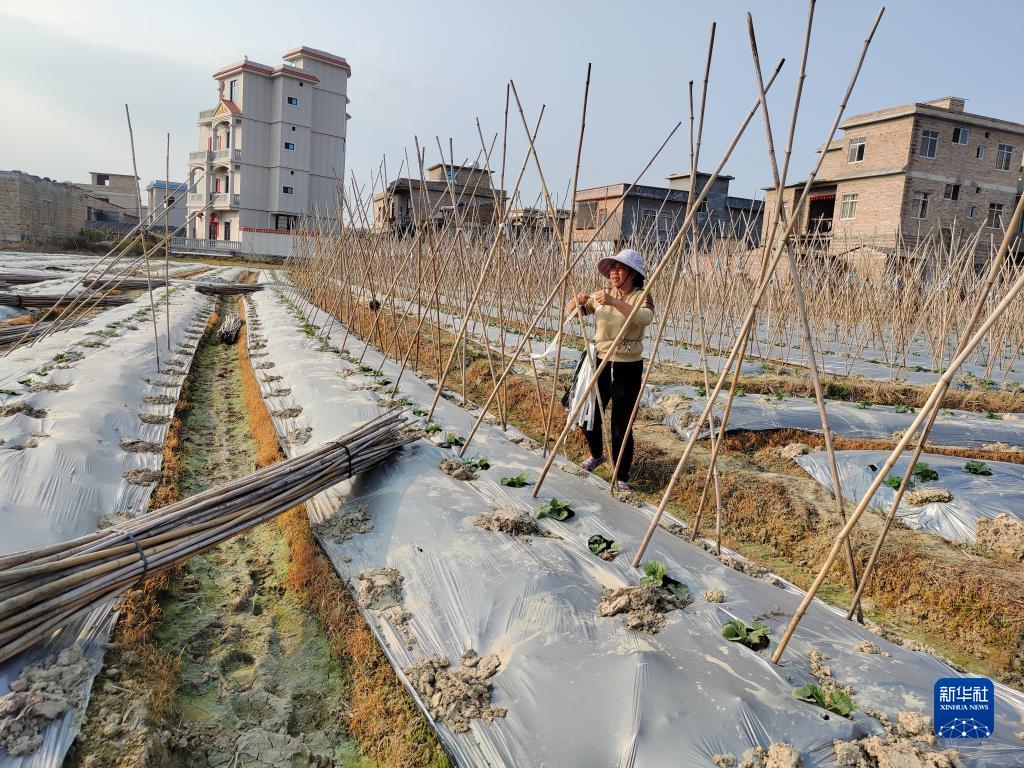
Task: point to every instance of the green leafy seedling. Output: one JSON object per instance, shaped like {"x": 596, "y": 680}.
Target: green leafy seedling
{"x": 367, "y": 369}
{"x": 515, "y": 481}
{"x": 976, "y": 467}
{"x": 559, "y": 510}
{"x": 419, "y": 411}
{"x": 741, "y": 392}
{"x": 598, "y": 544}
{"x": 893, "y": 481}
{"x": 404, "y": 400}
{"x": 452, "y": 440}
{"x": 382, "y": 382}
{"x": 701, "y": 391}
{"x": 12, "y": 392}
{"x": 994, "y": 416}
{"x": 754, "y": 637}
{"x": 923, "y": 472}
{"x": 654, "y": 573}
{"x": 864, "y": 404}
{"x": 834, "y": 701}
{"x": 901, "y": 408}
{"x": 477, "y": 465}
{"x": 432, "y": 428}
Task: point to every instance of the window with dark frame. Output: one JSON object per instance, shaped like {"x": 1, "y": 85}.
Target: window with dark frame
{"x": 972, "y": 211}
{"x": 980, "y": 154}
{"x": 995, "y": 215}
{"x": 848, "y": 208}
{"x": 232, "y": 90}
{"x": 919, "y": 208}
{"x": 952, "y": 192}
{"x": 856, "y": 151}
{"x": 961, "y": 135}
{"x": 293, "y": 101}
{"x": 289, "y": 145}
{"x": 287, "y": 190}
{"x": 1004, "y": 154}
{"x": 929, "y": 143}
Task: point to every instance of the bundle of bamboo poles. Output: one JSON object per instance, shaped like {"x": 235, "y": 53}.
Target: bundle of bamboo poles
{"x": 45, "y": 588}
{"x": 228, "y": 331}
{"x": 125, "y": 283}
{"x": 227, "y": 289}
{"x": 13, "y": 333}
{"x": 50, "y": 300}
{"x": 16, "y": 277}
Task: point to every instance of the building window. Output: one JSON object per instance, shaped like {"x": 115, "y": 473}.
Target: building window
{"x": 287, "y": 190}
{"x": 1003, "y": 156}
{"x": 293, "y": 101}
{"x": 929, "y": 143}
{"x": 919, "y": 208}
{"x": 586, "y": 215}
{"x": 282, "y": 221}
{"x": 289, "y": 145}
{"x": 848, "y": 209}
{"x": 227, "y": 230}
{"x": 170, "y": 200}
{"x": 972, "y": 211}
{"x": 995, "y": 215}
{"x": 952, "y": 192}
{"x": 232, "y": 90}
{"x": 980, "y": 154}
{"x": 856, "y": 153}
{"x": 961, "y": 135}
{"x": 450, "y": 175}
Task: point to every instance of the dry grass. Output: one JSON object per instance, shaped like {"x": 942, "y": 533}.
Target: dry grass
{"x": 20, "y": 320}
{"x": 382, "y": 717}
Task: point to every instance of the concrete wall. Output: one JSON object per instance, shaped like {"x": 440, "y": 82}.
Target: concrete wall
{"x": 32, "y": 208}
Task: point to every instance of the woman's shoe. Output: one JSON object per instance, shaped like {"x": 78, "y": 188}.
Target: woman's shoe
{"x": 622, "y": 485}
{"x": 591, "y": 464}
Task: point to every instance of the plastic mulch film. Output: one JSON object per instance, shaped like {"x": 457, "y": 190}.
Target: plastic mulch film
{"x": 975, "y": 497}
{"x": 62, "y": 464}
{"x": 579, "y": 689}
{"x": 756, "y": 412}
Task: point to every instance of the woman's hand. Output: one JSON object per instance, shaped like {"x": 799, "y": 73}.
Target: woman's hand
{"x": 604, "y": 298}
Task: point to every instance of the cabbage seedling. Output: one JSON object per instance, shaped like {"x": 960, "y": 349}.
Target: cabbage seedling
{"x": 515, "y": 481}
{"x": 559, "y": 510}
{"x": 833, "y": 701}
{"x": 893, "y": 481}
{"x": 654, "y": 573}
{"x": 452, "y": 440}
{"x": 924, "y": 473}
{"x": 976, "y": 467}
{"x": 419, "y": 411}
{"x": 477, "y": 465}
{"x": 598, "y": 544}
{"x": 432, "y": 428}
{"x": 755, "y": 637}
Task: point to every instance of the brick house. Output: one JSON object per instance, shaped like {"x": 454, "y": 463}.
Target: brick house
{"x": 655, "y": 214}
{"x": 912, "y": 172}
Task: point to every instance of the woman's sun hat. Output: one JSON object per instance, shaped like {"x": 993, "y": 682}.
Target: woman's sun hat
{"x": 627, "y": 256}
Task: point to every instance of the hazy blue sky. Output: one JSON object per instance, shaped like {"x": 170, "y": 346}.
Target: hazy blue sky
{"x": 430, "y": 69}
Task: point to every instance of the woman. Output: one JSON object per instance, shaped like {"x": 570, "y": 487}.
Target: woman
{"x": 619, "y": 383}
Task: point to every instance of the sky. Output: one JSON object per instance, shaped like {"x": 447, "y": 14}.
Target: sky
{"x": 431, "y": 70}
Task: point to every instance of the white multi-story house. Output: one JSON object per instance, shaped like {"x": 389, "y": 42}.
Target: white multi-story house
{"x": 271, "y": 152}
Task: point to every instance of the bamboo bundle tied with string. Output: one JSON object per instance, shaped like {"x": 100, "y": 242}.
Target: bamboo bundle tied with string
{"x": 44, "y": 589}
{"x": 54, "y": 300}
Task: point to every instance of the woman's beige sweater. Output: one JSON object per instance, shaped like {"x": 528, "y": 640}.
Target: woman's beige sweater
{"x": 610, "y": 322}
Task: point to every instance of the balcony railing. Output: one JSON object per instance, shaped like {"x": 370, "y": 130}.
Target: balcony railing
{"x": 224, "y": 200}
{"x": 197, "y": 198}
{"x": 193, "y": 244}
{"x": 227, "y": 155}
{"x": 200, "y": 156}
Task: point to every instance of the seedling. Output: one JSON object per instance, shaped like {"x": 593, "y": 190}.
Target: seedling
{"x": 755, "y": 637}
{"x": 432, "y": 428}
{"x": 702, "y": 392}
{"x": 833, "y": 701}
{"x": 452, "y": 440}
{"x": 976, "y": 467}
{"x": 404, "y": 401}
{"x": 516, "y": 481}
{"x": 559, "y": 510}
{"x": 901, "y": 408}
{"x": 367, "y": 369}
{"x": 923, "y": 472}
{"x": 419, "y": 411}
{"x": 864, "y": 404}
{"x": 741, "y": 392}
{"x": 478, "y": 465}
{"x": 382, "y": 382}
{"x": 993, "y": 416}
{"x": 893, "y": 481}
{"x": 654, "y": 573}
{"x": 598, "y": 544}
{"x": 12, "y": 392}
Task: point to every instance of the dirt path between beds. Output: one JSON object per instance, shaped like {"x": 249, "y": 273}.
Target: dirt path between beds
{"x": 255, "y": 681}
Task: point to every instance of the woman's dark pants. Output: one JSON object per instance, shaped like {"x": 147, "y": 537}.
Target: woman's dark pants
{"x": 619, "y": 385}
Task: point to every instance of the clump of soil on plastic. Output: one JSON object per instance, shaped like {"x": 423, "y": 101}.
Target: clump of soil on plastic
{"x": 288, "y": 413}
{"x": 776, "y": 756}
{"x": 456, "y": 469}
{"x": 793, "y": 450}
{"x": 159, "y": 400}
{"x": 514, "y": 522}
{"x": 280, "y": 392}
{"x": 642, "y": 606}
{"x": 135, "y": 445}
{"x": 457, "y": 695}
{"x": 650, "y": 413}
{"x": 24, "y": 408}
{"x": 41, "y": 693}
{"x": 870, "y": 648}
{"x": 272, "y": 378}
{"x": 300, "y": 436}
{"x": 672, "y": 403}
{"x": 920, "y": 496}
{"x": 142, "y": 476}
{"x": 379, "y": 588}
{"x": 345, "y": 524}
{"x": 1001, "y": 535}
{"x": 908, "y": 742}
{"x": 714, "y": 596}
{"x": 154, "y": 418}
{"x": 823, "y": 674}
{"x": 262, "y": 366}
